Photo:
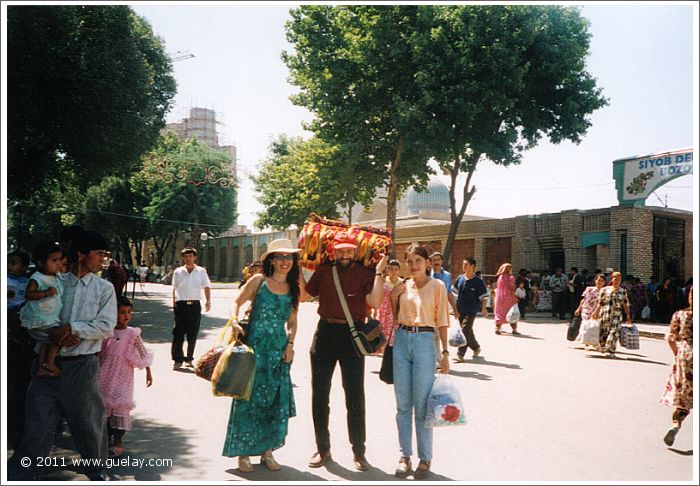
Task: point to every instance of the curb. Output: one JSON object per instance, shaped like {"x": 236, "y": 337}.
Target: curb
{"x": 652, "y": 335}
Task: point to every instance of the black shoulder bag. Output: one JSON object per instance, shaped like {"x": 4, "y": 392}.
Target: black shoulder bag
{"x": 367, "y": 337}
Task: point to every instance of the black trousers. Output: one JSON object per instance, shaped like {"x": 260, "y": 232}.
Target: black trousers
{"x": 467, "y": 323}
{"x": 332, "y": 344}
{"x": 187, "y": 319}
{"x": 559, "y": 304}
{"x": 20, "y": 356}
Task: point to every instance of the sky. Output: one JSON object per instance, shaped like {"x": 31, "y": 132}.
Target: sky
{"x": 641, "y": 55}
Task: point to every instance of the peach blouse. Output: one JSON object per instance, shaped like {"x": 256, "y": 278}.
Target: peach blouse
{"x": 424, "y": 307}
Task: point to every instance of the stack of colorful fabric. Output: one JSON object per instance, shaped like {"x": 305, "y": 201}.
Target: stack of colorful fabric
{"x": 316, "y": 242}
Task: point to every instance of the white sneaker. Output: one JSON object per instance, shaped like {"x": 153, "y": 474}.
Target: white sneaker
{"x": 477, "y": 353}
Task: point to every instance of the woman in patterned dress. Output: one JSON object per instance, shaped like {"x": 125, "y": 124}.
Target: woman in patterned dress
{"x": 611, "y": 303}
{"x": 385, "y": 313}
{"x": 679, "y": 387}
{"x": 589, "y": 301}
{"x": 259, "y": 425}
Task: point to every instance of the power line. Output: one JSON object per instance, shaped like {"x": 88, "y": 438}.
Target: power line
{"x": 192, "y": 223}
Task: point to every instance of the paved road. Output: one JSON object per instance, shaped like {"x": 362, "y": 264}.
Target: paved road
{"x": 539, "y": 409}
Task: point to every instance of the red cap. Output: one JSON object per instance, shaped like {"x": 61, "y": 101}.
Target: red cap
{"x": 344, "y": 240}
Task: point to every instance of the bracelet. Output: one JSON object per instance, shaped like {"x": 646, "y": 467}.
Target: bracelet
{"x": 446, "y": 352}
{"x": 378, "y": 275}
{"x": 290, "y": 342}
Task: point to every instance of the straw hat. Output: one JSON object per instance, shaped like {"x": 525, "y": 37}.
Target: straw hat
{"x": 282, "y": 245}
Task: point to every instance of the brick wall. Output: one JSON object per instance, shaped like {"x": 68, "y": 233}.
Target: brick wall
{"x": 460, "y": 250}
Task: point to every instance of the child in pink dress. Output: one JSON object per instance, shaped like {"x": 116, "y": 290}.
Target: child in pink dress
{"x": 385, "y": 313}
{"x": 120, "y": 354}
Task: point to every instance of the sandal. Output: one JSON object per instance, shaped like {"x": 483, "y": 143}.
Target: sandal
{"x": 422, "y": 470}
{"x": 269, "y": 462}
{"x": 115, "y": 452}
{"x": 244, "y": 464}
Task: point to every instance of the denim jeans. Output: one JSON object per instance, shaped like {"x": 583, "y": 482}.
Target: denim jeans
{"x": 414, "y": 373}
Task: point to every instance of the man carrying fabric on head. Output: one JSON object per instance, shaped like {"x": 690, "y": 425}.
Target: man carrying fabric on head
{"x": 188, "y": 282}
{"x": 88, "y": 315}
{"x": 471, "y": 296}
{"x": 332, "y": 343}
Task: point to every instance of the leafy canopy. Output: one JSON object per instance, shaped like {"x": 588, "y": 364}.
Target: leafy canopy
{"x": 298, "y": 178}
{"x": 88, "y": 89}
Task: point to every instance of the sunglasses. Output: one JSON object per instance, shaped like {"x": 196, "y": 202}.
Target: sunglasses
{"x": 280, "y": 257}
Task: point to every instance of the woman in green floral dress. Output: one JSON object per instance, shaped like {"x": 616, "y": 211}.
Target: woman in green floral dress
{"x": 259, "y": 425}
{"x": 612, "y": 302}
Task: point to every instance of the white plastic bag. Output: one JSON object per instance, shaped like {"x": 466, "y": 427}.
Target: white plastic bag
{"x": 513, "y": 315}
{"x": 444, "y": 404}
{"x": 456, "y": 337}
{"x": 646, "y": 312}
{"x": 589, "y": 332}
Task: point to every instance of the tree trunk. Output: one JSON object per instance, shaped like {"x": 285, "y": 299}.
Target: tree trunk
{"x": 172, "y": 255}
{"x": 125, "y": 250}
{"x": 160, "y": 249}
{"x": 349, "y": 203}
{"x": 456, "y": 217}
{"x": 392, "y": 195}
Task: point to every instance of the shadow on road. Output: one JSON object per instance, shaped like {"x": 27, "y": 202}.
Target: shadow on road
{"x": 638, "y": 360}
{"x": 469, "y": 374}
{"x": 521, "y": 336}
{"x": 138, "y": 461}
{"x": 682, "y": 453}
{"x": 486, "y": 362}
{"x": 155, "y": 318}
{"x": 261, "y": 473}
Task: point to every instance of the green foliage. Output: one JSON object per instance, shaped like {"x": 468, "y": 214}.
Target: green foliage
{"x": 496, "y": 79}
{"x": 355, "y": 71}
{"x": 298, "y": 178}
{"x": 88, "y": 89}
{"x": 189, "y": 188}
{"x": 115, "y": 206}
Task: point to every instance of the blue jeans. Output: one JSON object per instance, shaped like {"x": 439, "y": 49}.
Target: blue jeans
{"x": 414, "y": 373}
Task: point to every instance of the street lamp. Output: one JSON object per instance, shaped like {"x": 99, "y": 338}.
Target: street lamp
{"x": 203, "y": 237}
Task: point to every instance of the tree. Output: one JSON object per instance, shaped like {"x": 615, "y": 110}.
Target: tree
{"x": 355, "y": 69}
{"x": 87, "y": 88}
{"x": 190, "y": 189}
{"x": 116, "y": 207}
{"x": 298, "y": 178}
{"x": 497, "y": 79}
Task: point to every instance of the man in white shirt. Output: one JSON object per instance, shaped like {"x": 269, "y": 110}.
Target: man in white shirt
{"x": 188, "y": 282}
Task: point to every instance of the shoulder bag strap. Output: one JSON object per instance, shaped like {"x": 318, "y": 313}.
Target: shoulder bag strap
{"x": 229, "y": 323}
{"x": 343, "y": 303}
{"x": 252, "y": 301}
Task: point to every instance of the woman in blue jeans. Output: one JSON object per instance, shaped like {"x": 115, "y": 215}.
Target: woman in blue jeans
{"x": 421, "y": 310}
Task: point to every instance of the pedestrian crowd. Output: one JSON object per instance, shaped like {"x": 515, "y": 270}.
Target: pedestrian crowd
{"x": 73, "y": 355}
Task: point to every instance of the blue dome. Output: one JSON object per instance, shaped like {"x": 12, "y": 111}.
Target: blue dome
{"x": 436, "y": 198}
